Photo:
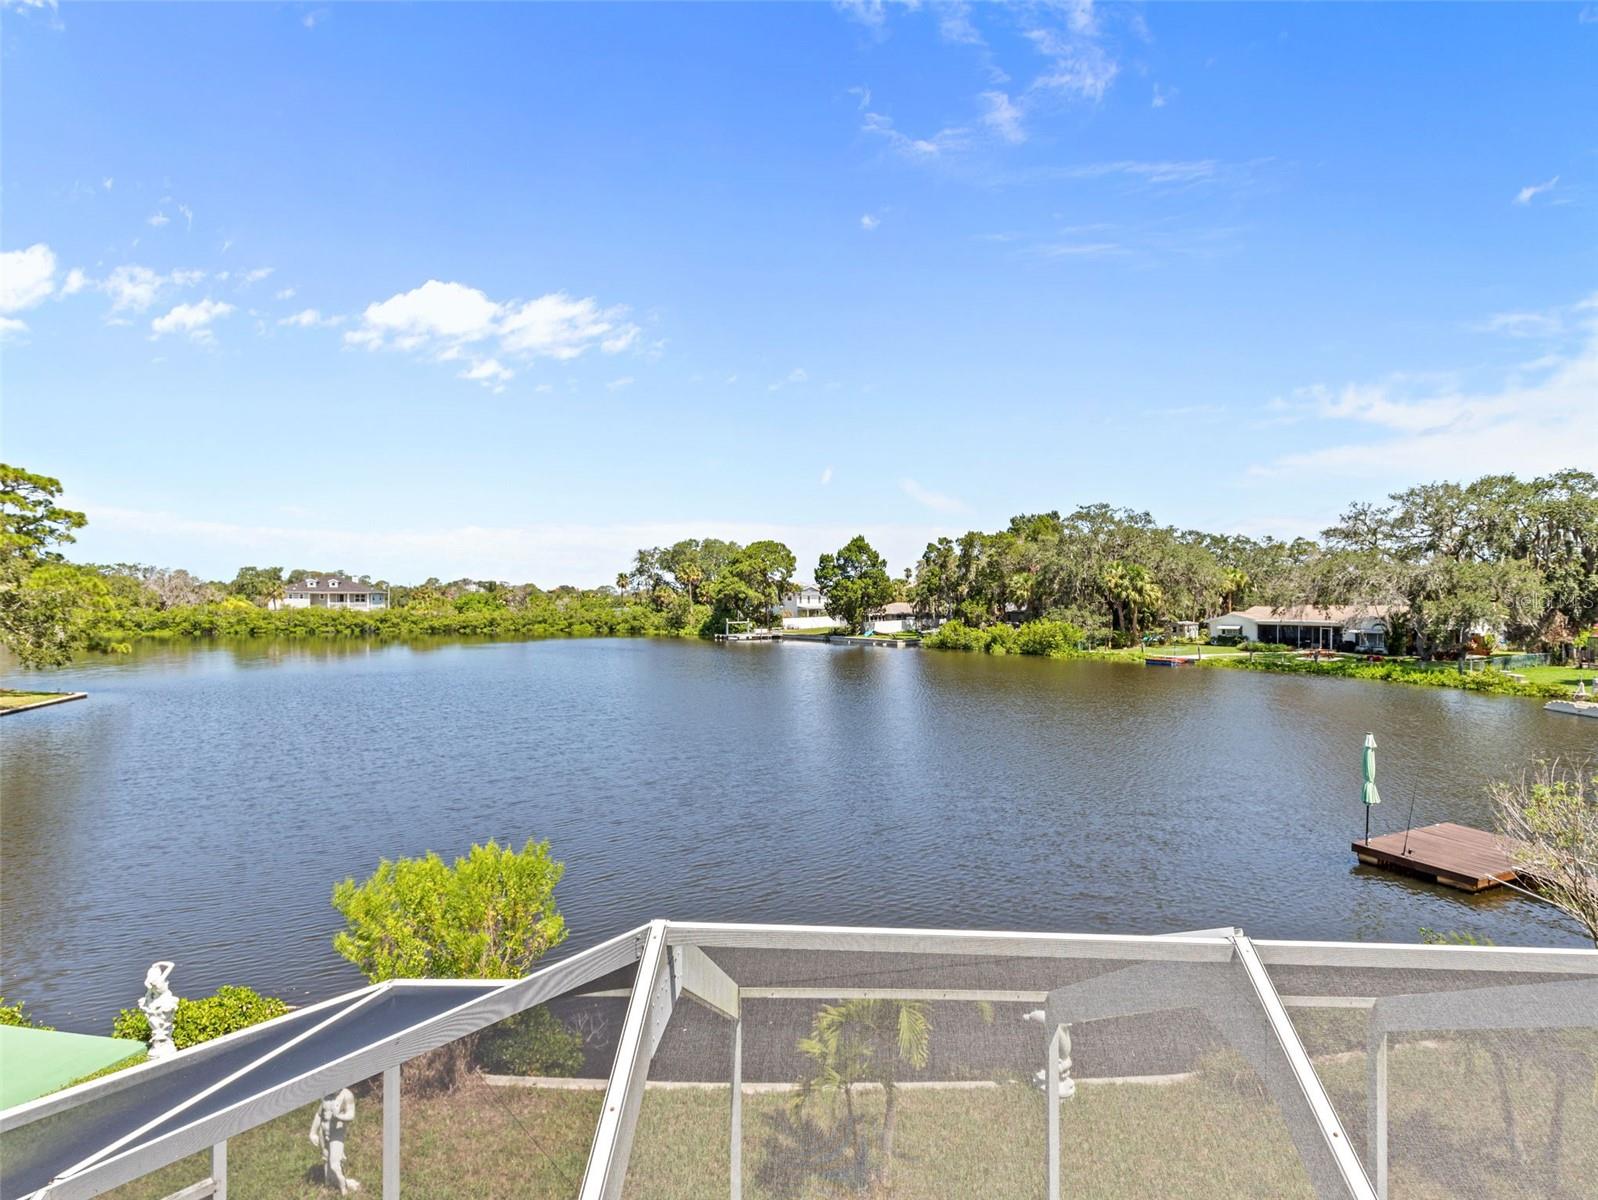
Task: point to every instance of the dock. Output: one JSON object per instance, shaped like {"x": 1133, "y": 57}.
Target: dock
{"x": 1456, "y": 856}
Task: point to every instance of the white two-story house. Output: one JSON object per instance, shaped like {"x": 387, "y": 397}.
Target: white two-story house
{"x": 331, "y": 591}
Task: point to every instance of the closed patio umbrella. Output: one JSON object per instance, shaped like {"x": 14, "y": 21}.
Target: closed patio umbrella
{"x": 1368, "y": 792}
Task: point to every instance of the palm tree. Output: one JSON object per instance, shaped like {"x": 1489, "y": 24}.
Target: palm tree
{"x": 1236, "y": 583}
{"x": 865, "y": 1041}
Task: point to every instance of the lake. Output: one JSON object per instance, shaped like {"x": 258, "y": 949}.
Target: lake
{"x": 200, "y": 805}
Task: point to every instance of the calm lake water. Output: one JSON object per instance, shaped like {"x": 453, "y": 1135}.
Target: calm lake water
{"x": 201, "y": 803}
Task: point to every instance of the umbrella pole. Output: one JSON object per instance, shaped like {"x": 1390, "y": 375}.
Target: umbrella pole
{"x": 1367, "y": 824}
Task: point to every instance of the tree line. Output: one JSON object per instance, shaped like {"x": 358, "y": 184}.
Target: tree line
{"x": 1499, "y": 553}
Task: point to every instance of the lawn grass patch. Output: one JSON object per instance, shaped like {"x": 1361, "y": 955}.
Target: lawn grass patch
{"x": 20, "y": 699}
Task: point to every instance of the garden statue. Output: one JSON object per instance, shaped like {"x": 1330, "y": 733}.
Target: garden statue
{"x": 159, "y": 1007}
{"x": 328, "y": 1127}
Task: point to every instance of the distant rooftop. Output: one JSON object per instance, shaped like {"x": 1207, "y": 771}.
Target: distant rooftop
{"x": 333, "y": 583}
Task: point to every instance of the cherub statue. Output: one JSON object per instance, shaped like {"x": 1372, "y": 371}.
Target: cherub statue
{"x": 160, "y": 1007}
{"x": 328, "y": 1127}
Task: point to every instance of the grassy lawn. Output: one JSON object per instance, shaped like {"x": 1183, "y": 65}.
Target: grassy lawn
{"x": 14, "y": 699}
{"x": 1565, "y": 676}
{"x": 1212, "y": 1136}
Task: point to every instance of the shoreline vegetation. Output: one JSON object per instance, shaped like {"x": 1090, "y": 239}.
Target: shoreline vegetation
{"x": 1056, "y": 639}
{"x": 1460, "y": 570}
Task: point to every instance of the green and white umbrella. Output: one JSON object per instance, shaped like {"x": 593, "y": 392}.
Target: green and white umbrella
{"x": 1368, "y": 792}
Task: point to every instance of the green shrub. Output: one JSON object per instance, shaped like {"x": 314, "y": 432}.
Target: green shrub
{"x": 956, "y": 635}
{"x": 491, "y": 915}
{"x": 1052, "y": 639}
{"x": 196, "y": 1021}
{"x": 1266, "y": 647}
{"x": 12, "y": 1014}
{"x": 535, "y": 1042}
{"x": 1002, "y": 639}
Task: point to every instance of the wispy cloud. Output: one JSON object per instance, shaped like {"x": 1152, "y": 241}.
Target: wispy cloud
{"x": 915, "y": 148}
{"x": 869, "y": 222}
{"x": 616, "y": 385}
{"x": 1003, "y": 117}
{"x": 1162, "y": 96}
{"x": 937, "y": 501}
{"x": 826, "y": 476}
{"x": 1533, "y": 419}
{"x": 795, "y": 376}
{"x": 1529, "y": 193}
{"x": 309, "y": 318}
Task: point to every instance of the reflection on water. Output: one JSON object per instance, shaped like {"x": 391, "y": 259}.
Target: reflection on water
{"x": 201, "y": 803}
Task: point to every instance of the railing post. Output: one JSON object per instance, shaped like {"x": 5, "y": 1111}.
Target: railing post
{"x": 391, "y": 1133}
{"x": 1376, "y": 1112}
{"x": 219, "y": 1170}
{"x": 736, "y": 1145}
{"x": 1052, "y": 1083}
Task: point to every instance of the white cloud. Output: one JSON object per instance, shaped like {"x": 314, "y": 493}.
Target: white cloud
{"x": 306, "y": 318}
{"x": 75, "y": 282}
{"x": 192, "y": 319}
{"x": 255, "y": 276}
{"x": 1527, "y": 194}
{"x": 616, "y": 385}
{"x": 1534, "y": 419}
{"x": 312, "y": 19}
{"x": 27, "y": 277}
{"x": 826, "y": 476}
{"x": 135, "y": 287}
{"x": 10, "y": 327}
{"x": 284, "y": 293}
{"x": 439, "y": 319}
{"x": 1003, "y": 117}
{"x": 1162, "y": 96}
{"x": 869, "y": 222}
{"x": 863, "y": 95}
{"x": 157, "y": 219}
{"x": 489, "y": 372}
{"x": 188, "y": 215}
{"x": 937, "y": 501}
{"x": 795, "y": 376}
{"x": 108, "y": 183}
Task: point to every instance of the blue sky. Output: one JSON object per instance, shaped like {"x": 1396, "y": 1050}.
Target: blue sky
{"x": 510, "y": 290}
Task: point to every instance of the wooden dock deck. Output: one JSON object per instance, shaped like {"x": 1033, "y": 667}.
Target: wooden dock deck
{"x": 1457, "y": 856}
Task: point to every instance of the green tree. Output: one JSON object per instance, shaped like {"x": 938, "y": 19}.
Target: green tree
{"x": 32, "y": 524}
{"x": 865, "y": 1041}
{"x": 42, "y": 620}
{"x": 751, "y": 585}
{"x": 854, "y": 582}
{"x": 259, "y": 585}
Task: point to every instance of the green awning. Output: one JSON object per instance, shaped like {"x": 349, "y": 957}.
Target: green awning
{"x": 40, "y": 1061}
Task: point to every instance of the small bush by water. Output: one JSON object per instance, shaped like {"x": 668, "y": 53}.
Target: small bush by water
{"x": 231, "y": 1009}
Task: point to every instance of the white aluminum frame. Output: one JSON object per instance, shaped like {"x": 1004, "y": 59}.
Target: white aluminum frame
{"x": 671, "y": 962}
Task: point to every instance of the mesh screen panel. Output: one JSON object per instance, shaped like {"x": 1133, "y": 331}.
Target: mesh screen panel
{"x": 1481, "y": 1082}
{"x": 870, "y": 1073}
